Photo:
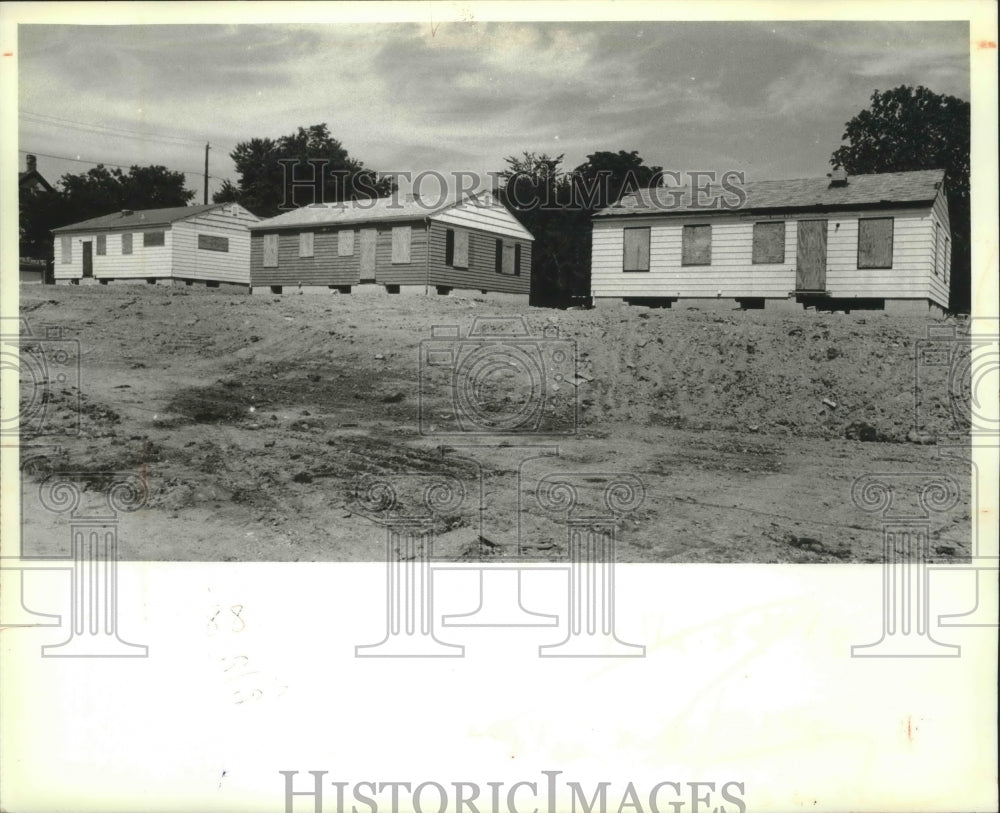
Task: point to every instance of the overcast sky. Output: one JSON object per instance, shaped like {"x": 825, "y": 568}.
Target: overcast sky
{"x": 770, "y": 99}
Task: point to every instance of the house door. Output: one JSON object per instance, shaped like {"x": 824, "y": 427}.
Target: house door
{"x": 810, "y": 256}
{"x": 88, "y": 259}
{"x": 368, "y": 238}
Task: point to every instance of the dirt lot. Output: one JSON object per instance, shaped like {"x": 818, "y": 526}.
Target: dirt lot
{"x": 253, "y": 418}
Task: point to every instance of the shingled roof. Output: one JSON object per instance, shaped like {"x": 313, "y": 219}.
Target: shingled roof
{"x": 139, "y": 219}
{"x": 398, "y": 207}
{"x": 861, "y": 191}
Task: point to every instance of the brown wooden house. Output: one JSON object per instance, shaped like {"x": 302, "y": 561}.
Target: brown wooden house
{"x": 396, "y": 243}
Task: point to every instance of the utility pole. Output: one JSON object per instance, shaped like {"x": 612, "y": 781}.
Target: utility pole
{"x": 207, "y": 147}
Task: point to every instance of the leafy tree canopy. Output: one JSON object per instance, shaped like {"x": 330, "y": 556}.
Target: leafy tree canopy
{"x": 908, "y": 129}
{"x": 305, "y": 167}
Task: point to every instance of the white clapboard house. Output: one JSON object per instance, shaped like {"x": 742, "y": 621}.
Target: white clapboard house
{"x": 207, "y": 244}
{"x": 875, "y": 241}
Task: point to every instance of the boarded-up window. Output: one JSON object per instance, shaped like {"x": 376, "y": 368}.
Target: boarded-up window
{"x": 947, "y": 261}
{"x": 498, "y": 257}
{"x": 151, "y": 239}
{"x": 210, "y": 242}
{"x": 66, "y": 250}
{"x": 270, "y": 251}
{"x": 508, "y": 259}
{"x": 696, "y": 245}
{"x": 449, "y": 247}
{"x": 345, "y": 243}
{"x": 875, "y": 242}
{"x": 461, "y": 258}
{"x": 636, "y": 249}
{"x": 306, "y": 244}
{"x": 400, "y": 245}
{"x": 517, "y": 259}
{"x": 127, "y": 243}
{"x": 937, "y": 250}
{"x": 769, "y": 242}
{"x": 102, "y": 245}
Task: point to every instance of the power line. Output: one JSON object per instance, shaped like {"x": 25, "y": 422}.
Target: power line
{"x": 104, "y": 129}
{"x": 199, "y": 173}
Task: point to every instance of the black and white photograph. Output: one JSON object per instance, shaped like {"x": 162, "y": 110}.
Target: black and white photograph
{"x": 633, "y": 374}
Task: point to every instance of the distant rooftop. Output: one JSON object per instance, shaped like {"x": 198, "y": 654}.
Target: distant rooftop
{"x": 140, "y": 218}
{"x": 394, "y": 207}
{"x": 885, "y": 188}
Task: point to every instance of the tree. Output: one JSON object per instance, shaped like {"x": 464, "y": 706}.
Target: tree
{"x": 911, "y": 129}
{"x": 307, "y": 166}
{"x": 557, "y": 207}
{"x": 99, "y": 191}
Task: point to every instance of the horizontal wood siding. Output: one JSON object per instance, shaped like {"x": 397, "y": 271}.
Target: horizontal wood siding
{"x": 191, "y": 262}
{"x": 912, "y": 254}
{"x": 939, "y": 284}
{"x": 142, "y": 263}
{"x": 482, "y": 217}
{"x": 328, "y": 267}
{"x": 733, "y": 273}
{"x": 481, "y": 274}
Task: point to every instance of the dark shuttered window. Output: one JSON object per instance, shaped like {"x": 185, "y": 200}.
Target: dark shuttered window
{"x": 209, "y": 242}
{"x": 151, "y": 239}
{"x": 102, "y": 245}
{"x": 696, "y": 245}
{"x": 498, "y": 257}
{"x": 875, "y": 242}
{"x": 127, "y": 243}
{"x": 449, "y": 247}
{"x": 636, "y": 257}
{"x": 769, "y": 242}
{"x": 517, "y": 259}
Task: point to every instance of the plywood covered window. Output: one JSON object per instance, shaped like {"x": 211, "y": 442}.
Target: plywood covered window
{"x": 769, "y": 242}
{"x": 66, "y": 250}
{"x": 696, "y": 245}
{"x": 102, "y": 245}
{"x": 151, "y": 239}
{"x": 636, "y": 251}
{"x": 400, "y": 245}
{"x": 127, "y": 243}
{"x": 461, "y": 252}
{"x": 345, "y": 243}
{"x": 306, "y": 244}
{"x": 508, "y": 259}
{"x": 937, "y": 250}
{"x": 210, "y": 242}
{"x": 270, "y": 251}
{"x": 875, "y": 242}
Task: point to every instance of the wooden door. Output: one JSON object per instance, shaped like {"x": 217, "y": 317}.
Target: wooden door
{"x": 88, "y": 259}
{"x": 368, "y": 240}
{"x": 810, "y": 256}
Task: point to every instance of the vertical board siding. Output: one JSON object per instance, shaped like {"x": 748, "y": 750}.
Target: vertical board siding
{"x": 306, "y": 244}
{"x": 461, "y": 249}
{"x": 733, "y": 273}
{"x": 345, "y": 242}
{"x": 480, "y": 274}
